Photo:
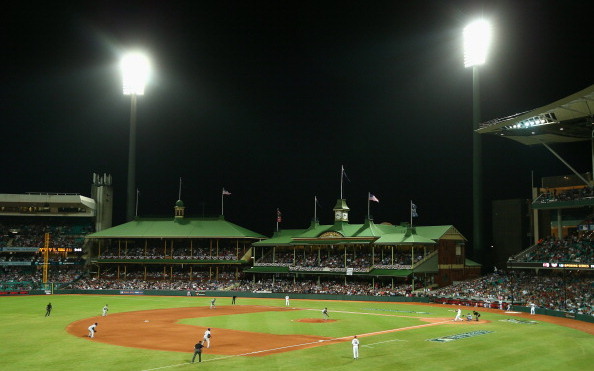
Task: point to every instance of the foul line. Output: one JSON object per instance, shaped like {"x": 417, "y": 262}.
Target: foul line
{"x": 381, "y": 342}
{"x": 371, "y": 314}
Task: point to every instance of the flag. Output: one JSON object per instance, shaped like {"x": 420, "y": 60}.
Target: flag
{"x": 279, "y": 217}
{"x": 344, "y": 173}
{"x": 226, "y": 193}
{"x": 413, "y": 210}
{"x": 373, "y": 198}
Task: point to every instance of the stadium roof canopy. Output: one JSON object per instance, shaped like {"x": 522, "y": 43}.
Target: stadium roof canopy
{"x": 182, "y": 228}
{"x": 570, "y": 119}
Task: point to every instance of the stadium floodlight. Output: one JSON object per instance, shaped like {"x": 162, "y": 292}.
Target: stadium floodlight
{"x": 135, "y": 73}
{"x": 477, "y": 39}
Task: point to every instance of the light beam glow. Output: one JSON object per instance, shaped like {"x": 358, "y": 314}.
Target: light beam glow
{"x": 477, "y": 39}
{"x": 135, "y": 73}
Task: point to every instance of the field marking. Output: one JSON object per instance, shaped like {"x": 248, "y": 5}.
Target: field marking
{"x": 381, "y": 342}
{"x": 371, "y": 314}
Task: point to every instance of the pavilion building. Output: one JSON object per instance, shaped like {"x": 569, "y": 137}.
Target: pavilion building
{"x": 383, "y": 254}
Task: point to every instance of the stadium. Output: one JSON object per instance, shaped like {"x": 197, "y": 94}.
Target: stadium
{"x": 404, "y": 290}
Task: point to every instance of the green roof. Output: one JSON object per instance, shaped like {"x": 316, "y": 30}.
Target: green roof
{"x": 177, "y": 228}
{"x": 409, "y": 238}
{"x": 470, "y": 263}
{"x": 369, "y": 232}
{"x": 282, "y": 237}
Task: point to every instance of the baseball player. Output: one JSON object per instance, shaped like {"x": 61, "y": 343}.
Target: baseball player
{"x": 532, "y": 308}
{"x": 48, "y": 310}
{"x": 105, "y": 309}
{"x": 212, "y": 303}
{"x": 325, "y": 313}
{"x": 92, "y": 330}
{"x": 476, "y": 315}
{"x": 286, "y": 300}
{"x": 355, "y": 343}
{"x": 207, "y": 337}
{"x": 458, "y": 315}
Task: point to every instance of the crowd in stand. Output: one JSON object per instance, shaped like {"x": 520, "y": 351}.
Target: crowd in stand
{"x": 182, "y": 253}
{"x": 32, "y": 234}
{"x": 577, "y": 248}
{"x": 157, "y": 280}
{"x": 18, "y": 278}
{"x": 337, "y": 261}
{"x": 334, "y": 287}
{"x": 571, "y": 293}
{"x": 573, "y": 194}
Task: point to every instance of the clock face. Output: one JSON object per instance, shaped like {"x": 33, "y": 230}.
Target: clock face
{"x": 345, "y": 216}
{"x": 338, "y": 215}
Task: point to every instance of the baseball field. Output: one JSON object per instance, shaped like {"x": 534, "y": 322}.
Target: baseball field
{"x": 158, "y": 333}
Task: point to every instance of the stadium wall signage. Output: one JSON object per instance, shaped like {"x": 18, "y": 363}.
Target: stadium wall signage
{"x": 131, "y": 292}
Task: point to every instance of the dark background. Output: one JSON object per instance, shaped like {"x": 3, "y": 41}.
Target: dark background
{"x": 269, "y": 99}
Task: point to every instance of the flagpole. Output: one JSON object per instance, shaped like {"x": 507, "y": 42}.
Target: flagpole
{"x": 315, "y": 208}
{"x": 368, "y": 203}
{"x": 137, "y": 193}
{"x": 341, "y": 174}
{"x": 222, "y": 198}
{"x": 179, "y": 193}
{"x": 410, "y": 213}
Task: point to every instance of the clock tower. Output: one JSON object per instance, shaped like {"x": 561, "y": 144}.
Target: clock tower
{"x": 341, "y": 211}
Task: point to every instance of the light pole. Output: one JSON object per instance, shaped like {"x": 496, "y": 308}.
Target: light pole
{"x": 477, "y": 39}
{"x": 135, "y": 71}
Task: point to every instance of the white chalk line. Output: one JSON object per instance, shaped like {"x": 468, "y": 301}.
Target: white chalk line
{"x": 371, "y": 314}
{"x": 381, "y": 342}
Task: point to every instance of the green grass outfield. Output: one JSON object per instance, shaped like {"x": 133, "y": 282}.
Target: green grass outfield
{"x": 30, "y": 341}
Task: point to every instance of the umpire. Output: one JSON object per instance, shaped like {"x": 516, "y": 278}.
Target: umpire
{"x": 198, "y": 350}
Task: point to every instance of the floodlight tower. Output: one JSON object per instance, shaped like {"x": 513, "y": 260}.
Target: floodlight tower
{"x": 477, "y": 39}
{"x": 135, "y": 71}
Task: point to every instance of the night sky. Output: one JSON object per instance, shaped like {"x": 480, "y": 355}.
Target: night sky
{"x": 269, "y": 99}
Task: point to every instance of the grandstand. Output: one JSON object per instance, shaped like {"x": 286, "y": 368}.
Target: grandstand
{"x": 176, "y": 251}
{"x": 42, "y": 235}
{"x": 562, "y": 204}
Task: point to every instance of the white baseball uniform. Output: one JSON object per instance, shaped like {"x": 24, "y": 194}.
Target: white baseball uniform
{"x": 355, "y": 343}
{"x": 458, "y": 315}
{"x": 92, "y": 330}
{"x": 532, "y": 308}
{"x": 287, "y": 300}
{"x": 207, "y": 338}
{"x": 105, "y": 309}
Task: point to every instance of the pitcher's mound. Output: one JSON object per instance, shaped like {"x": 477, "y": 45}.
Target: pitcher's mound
{"x": 315, "y": 320}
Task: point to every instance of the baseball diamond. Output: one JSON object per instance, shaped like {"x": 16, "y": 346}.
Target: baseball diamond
{"x": 158, "y": 332}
